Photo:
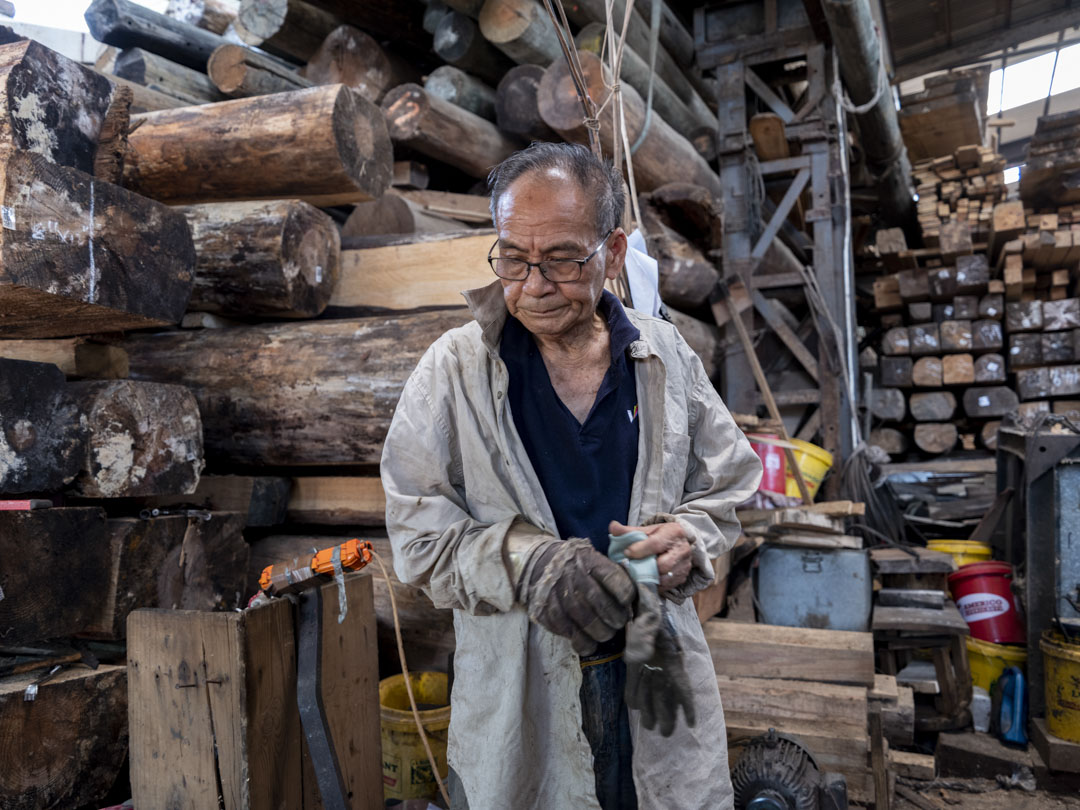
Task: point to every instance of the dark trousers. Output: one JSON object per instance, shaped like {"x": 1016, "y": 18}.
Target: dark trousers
{"x": 606, "y": 724}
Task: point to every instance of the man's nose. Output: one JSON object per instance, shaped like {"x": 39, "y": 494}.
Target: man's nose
{"x": 535, "y": 283}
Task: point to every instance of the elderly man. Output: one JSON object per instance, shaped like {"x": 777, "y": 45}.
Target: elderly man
{"x": 521, "y": 442}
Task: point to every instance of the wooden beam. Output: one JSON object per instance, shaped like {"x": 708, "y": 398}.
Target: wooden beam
{"x": 785, "y": 333}
{"x": 791, "y": 196}
{"x": 766, "y": 94}
{"x": 332, "y": 500}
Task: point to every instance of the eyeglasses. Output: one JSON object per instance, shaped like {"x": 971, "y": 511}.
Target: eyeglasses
{"x": 559, "y": 271}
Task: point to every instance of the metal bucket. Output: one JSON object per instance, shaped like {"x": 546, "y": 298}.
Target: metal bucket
{"x": 830, "y": 589}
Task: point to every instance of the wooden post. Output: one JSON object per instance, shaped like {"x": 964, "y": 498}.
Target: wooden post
{"x": 325, "y": 144}
{"x": 437, "y": 128}
{"x": 129, "y": 25}
{"x": 459, "y": 42}
{"x": 289, "y": 394}
{"x": 151, "y": 70}
{"x": 349, "y": 56}
{"x": 82, "y": 256}
{"x": 665, "y": 156}
{"x": 459, "y": 88}
{"x": 516, "y": 110}
{"x": 239, "y": 72}
{"x": 274, "y": 259}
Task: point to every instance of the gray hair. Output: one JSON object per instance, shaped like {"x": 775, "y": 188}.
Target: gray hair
{"x": 595, "y": 177}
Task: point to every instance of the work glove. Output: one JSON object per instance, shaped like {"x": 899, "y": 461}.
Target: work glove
{"x": 571, "y": 589}
{"x": 656, "y": 680}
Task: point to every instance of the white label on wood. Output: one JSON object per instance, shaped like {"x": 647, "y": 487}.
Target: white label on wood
{"x": 318, "y": 267}
{"x": 984, "y": 402}
{"x": 7, "y": 216}
{"x": 991, "y": 367}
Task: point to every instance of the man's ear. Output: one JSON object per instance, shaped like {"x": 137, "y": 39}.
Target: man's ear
{"x": 616, "y": 254}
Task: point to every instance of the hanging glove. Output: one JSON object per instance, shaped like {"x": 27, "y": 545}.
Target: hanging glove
{"x": 656, "y": 680}
{"x": 571, "y": 589}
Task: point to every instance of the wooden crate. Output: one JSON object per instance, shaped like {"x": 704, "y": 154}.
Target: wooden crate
{"x": 212, "y": 702}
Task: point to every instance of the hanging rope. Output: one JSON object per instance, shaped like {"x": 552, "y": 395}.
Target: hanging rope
{"x": 882, "y": 83}
{"x": 654, "y": 46}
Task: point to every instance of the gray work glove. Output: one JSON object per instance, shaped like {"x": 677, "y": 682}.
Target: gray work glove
{"x": 574, "y": 591}
{"x": 656, "y": 680}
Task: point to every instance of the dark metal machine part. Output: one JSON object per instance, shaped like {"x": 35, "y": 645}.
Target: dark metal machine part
{"x": 777, "y": 772}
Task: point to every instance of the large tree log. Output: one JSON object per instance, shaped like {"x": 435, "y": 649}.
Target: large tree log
{"x": 75, "y": 357}
{"x": 521, "y": 29}
{"x": 928, "y": 372}
{"x": 129, "y": 25}
{"x": 957, "y": 369}
{"x": 990, "y": 368}
{"x": 459, "y": 42}
{"x": 459, "y": 88}
{"x": 516, "y": 110}
{"x": 51, "y": 105}
{"x": 82, "y": 256}
{"x": 687, "y": 278}
{"x": 427, "y": 632}
{"x": 138, "y": 551}
{"x": 66, "y": 747}
{"x": 695, "y": 213}
{"x": 276, "y": 259}
{"x": 391, "y": 214}
{"x": 143, "y": 439}
{"x": 933, "y": 406}
{"x": 635, "y": 71}
{"x": 239, "y": 72}
{"x": 41, "y": 439}
{"x": 213, "y": 15}
{"x": 888, "y": 404}
{"x": 157, "y": 73}
{"x": 305, "y": 393}
{"x": 337, "y": 500}
{"x": 438, "y": 129}
{"x": 896, "y": 372}
{"x": 935, "y": 437}
{"x": 891, "y": 440}
{"x": 992, "y": 401}
{"x": 665, "y": 156}
{"x": 349, "y": 56}
{"x": 293, "y": 29}
{"x": 55, "y": 574}
{"x": 325, "y": 144}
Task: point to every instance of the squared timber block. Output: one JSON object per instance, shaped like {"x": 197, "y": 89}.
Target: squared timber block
{"x": 973, "y": 754}
{"x": 793, "y": 653}
{"x": 212, "y": 701}
{"x": 1057, "y": 754}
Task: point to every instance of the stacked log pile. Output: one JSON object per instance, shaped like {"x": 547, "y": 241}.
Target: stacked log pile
{"x": 1051, "y": 175}
{"x": 283, "y": 198}
{"x": 981, "y": 327}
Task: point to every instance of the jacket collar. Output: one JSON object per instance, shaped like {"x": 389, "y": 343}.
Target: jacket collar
{"x": 488, "y": 307}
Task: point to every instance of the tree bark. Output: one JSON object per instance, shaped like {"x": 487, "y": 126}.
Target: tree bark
{"x": 213, "y": 15}
{"x": 935, "y": 438}
{"x": 349, "y": 56}
{"x": 51, "y": 105}
{"x": 82, "y": 256}
{"x": 459, "y": 88}
{"x": 129, "y": 25}
{"x": 66, "y": 748}
{"x": 665, "y": 156}
{"x": 292, "y": 29}
{"x": 440, "y": 130}
{"x": 325, "y": 144}
{"x": 934, "y": 406}
{"x": 990, "y": 402}
{"x": 459, "y": 42}
{"x": 142, "y": 439}
{"x": 393, "y": 214}
{"x": 171, "y": 78}
{"x": 41, "y": 440}
{"x": 275, "y": 259}
{"x": 516, "y": 108}
{"x": 304, "y": 393}
{"x": 56, "y": 572}
{"x": 522, "y": 30}
{"x": 239, "y": 72}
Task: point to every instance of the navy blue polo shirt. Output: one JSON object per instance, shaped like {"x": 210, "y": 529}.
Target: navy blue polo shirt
{"x": 585, "y": 469}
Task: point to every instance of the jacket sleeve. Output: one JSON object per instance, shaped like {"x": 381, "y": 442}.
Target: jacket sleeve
{"x": 723, "y": 471}
{"x": 458, "y": 561}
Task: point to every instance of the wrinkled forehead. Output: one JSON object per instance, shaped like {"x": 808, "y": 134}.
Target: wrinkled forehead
{"x": 545, "y": 204}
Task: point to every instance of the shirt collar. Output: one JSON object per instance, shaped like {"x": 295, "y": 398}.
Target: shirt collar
{"x": 621, "y": 332}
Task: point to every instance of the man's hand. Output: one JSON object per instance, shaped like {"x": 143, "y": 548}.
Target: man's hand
{"x": 668, "y": 542}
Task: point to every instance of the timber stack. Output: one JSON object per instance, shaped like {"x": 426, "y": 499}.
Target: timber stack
{"x": 293, "y": 208}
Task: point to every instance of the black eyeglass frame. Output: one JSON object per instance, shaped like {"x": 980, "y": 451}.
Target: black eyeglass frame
{"x": 540, "y": 264}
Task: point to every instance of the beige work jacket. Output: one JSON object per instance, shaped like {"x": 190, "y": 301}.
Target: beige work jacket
{"x": 457, "y": 476}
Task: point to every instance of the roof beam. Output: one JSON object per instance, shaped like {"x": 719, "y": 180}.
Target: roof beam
{"x": 965, "y": 53}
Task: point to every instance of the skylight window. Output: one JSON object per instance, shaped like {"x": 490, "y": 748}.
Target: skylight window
{"x": 1021, "y": 83}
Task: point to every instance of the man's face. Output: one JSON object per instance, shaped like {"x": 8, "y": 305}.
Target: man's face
{"x": 544, "y": 215}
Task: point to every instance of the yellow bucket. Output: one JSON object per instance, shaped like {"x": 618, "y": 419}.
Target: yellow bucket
{"x": 963, "y": 551}
{"x": 1061, "y": 660}
{"x": 406, "y": 769}
{"x": 987, "y": 661}
{"x": 815, "y": 464}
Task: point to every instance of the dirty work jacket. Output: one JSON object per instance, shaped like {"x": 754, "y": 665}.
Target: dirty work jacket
{"x": 459, "y": 486}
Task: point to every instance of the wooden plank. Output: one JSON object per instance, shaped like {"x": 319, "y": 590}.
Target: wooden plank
{"x": 262, "y": 498}
{"x": 911, "y": 765}
{"x": 843, "y": 706}
{"x": 466, "y": 207}
{"x": 420, "y": 271}
{"x": 794, "y": 653}
{"x": 980, "y": 464}
{"x": 1057, "y": 754}
{"x": 357, "y": 500}
{"x": 786, "y": 537}
{"x": 924, "y": 561}
{"x": 919, "y": 620}
{"x": 74, "y": 356}
{"x": 829, "y": 508}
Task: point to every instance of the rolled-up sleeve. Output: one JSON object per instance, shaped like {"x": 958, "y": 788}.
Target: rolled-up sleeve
{"x": 458, "y": 561}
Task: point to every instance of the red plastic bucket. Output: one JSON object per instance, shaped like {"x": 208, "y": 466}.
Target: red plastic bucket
{"x": 773, "y": 461}
{"x": 983, "y": 594}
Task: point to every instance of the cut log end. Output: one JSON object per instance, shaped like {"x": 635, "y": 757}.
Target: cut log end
{"x": 935, "y": 437}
